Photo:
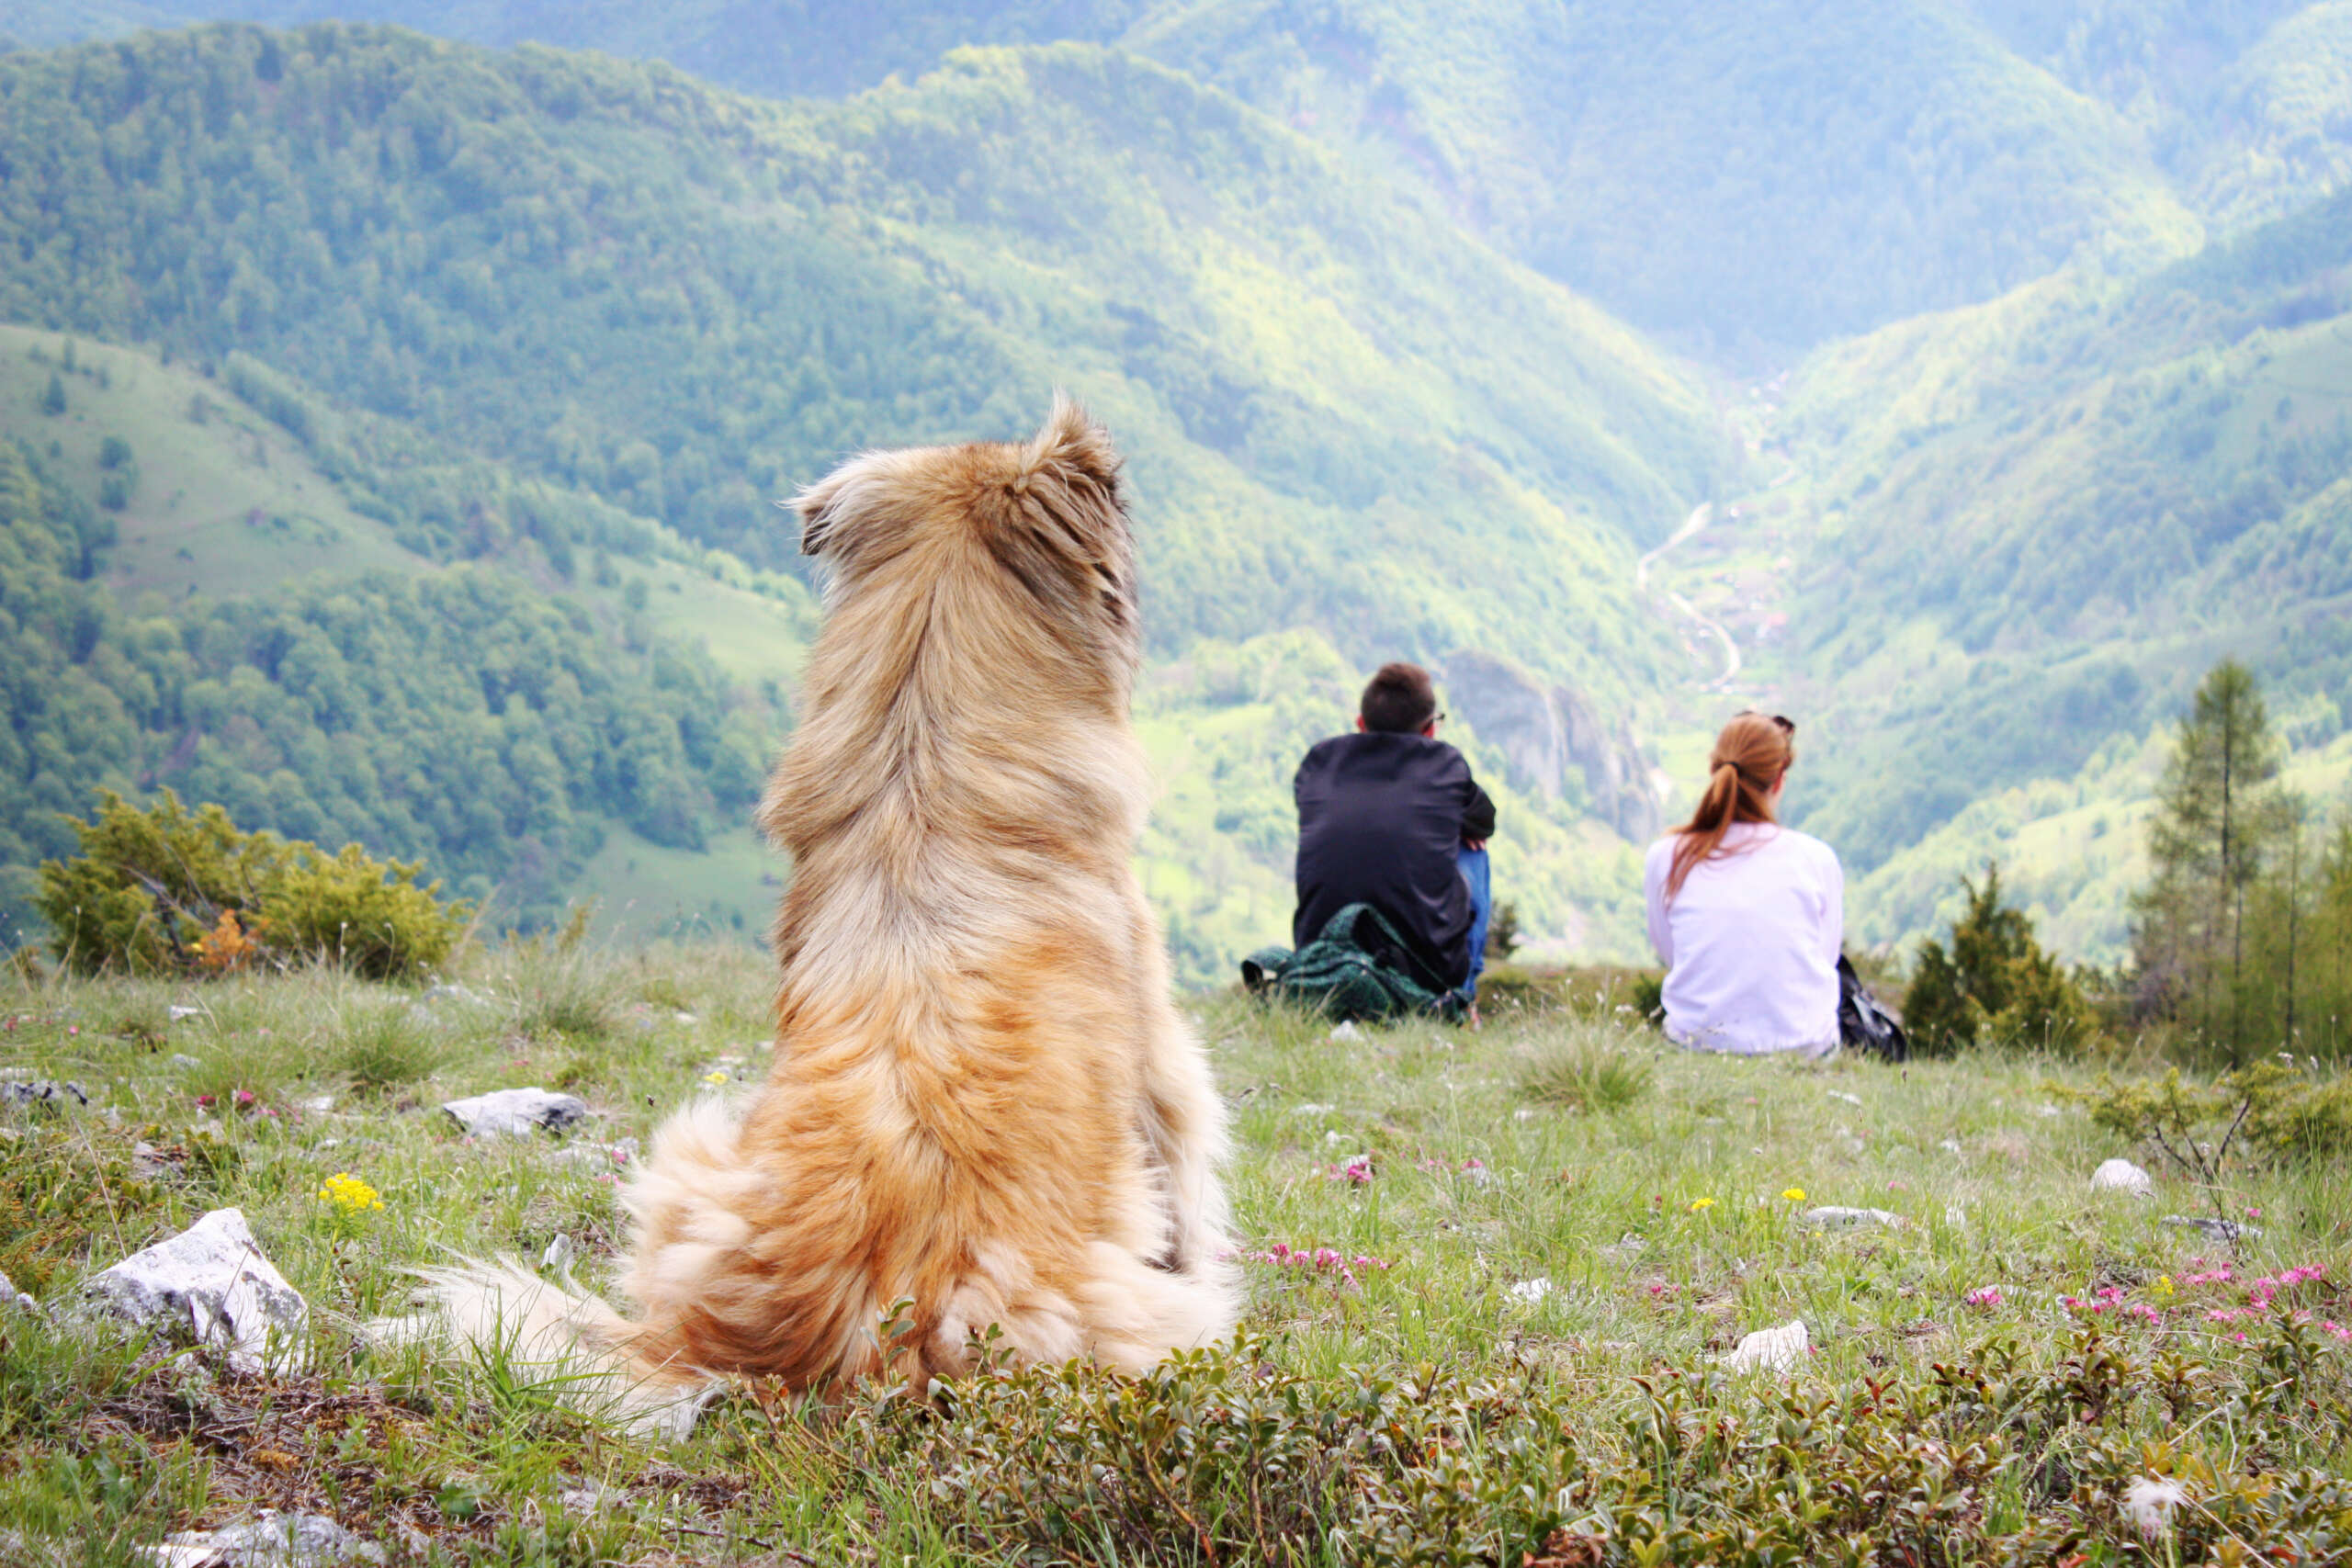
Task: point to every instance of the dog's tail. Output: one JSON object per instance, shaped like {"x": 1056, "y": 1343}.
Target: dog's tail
{"x": 556, "y": 1339}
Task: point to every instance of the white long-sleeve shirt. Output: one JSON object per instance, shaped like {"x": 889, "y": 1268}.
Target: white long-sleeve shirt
{"x": 1750, "y": 942}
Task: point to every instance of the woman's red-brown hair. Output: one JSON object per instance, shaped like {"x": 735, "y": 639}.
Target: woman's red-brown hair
{"x": 1750, "y": 755}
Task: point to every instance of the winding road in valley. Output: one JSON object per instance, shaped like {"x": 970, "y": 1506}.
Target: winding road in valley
{"x": 1701, "y": 516}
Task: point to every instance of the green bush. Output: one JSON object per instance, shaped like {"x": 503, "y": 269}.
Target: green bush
{"x": 170, "y": 890}
{"x": 1995, "y": 985}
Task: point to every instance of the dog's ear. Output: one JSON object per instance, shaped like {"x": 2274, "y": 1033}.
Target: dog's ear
{"x": 814, "y": 505}
{"x": 1071, "y": 447}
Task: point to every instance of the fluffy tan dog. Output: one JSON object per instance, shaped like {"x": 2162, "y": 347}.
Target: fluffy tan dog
{"x": 982, "y": 1098}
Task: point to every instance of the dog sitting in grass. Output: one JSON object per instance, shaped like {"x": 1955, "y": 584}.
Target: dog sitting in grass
{"x": 984, "y": 1109}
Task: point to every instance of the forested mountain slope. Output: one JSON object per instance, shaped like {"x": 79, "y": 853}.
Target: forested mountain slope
{"x": 451, "y": 273}
{"x": 1745, "y": 178}
{"x": 2038, "y": 521}
{"x": 189, "y": 600}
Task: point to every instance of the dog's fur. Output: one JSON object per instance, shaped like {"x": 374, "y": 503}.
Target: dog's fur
{"x": 982, "y": 1100}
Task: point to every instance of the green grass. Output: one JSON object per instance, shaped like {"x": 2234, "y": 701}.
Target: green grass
{"x": 1534, "y": 1290}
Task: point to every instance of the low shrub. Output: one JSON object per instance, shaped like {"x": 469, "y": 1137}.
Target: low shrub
{"x": 2272, "y": 1112}
{"x": 168, "y": 890}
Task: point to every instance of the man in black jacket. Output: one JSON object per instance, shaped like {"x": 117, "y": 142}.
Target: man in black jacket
{"x": 1390, "y": 817}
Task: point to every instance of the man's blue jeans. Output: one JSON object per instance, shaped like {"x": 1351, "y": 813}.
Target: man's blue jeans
{"x": 1475, "y": 871}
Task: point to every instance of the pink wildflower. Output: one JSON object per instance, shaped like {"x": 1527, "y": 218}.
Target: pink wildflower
{"x": 245, "y": 1096}
{"x": 1355, "y": 1172}
{"x": 1984, "y": 1296}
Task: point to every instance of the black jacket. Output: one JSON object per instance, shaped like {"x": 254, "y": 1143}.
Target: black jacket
{"x": 1380, "y": 816}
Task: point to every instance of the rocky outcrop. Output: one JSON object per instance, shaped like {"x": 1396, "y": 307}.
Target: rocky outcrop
{"x": 1544, "y": 734}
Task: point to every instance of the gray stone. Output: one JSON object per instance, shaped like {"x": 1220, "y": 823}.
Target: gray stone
{"x": 517, "y": 1112}
{"x": 183, "y": 1061}
{"x": 448, "y": 993}
{"x": 560, "y": 1255}
{"x": 181, "y": 1014}
{"x": 210, "y": 1283}
{"x": 269, "y": 1540}
{"x": 44, "y": 1092}
{"x": 2123, "y": 1176}
{"x": 1832, "y": 1218}
{"x": 2219, "y": 1229}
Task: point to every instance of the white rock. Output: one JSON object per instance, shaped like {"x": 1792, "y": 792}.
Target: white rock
{"x": 2053, "y": 1111}
{"x": 1848, "y": 1099}
{"x": 560, "y": 1255}
{"x": 1334, "y": 1137}
{"x": 1529, "y": 1293}
{"x": 148, "y": 1163}
{"x": 1771, "y": 1349}
{"x": 2123, "y": 1176}
{"x": 1302, "y": 1112}
{"x": 11, "y": 1297}
{"x": 687, "y": 1019}
{"x": 212, "y": 1281}
{"x": 1831, "y": 1217}
{"x": 317, "y": 1105}
{"x": 1951, "y": 1146}
{"x": 269, "y": 1540}
{"x": 454, "y": 994}
{"x": 1348, "y": 1031}
{"x": 1625, "y": 1248}
{"x": 517, "y": 1112}
{"x": 179, "y": 1014}
{"x": 2219, "y": 1229}
{"x": 183, "y": 1061}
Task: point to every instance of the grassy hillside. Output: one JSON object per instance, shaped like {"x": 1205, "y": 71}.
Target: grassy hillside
{"x": 1511, "y": 1319}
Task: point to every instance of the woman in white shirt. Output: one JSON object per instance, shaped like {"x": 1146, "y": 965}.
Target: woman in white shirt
{"x": 1747, "y": 915}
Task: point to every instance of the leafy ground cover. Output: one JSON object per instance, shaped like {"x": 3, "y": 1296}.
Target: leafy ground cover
{"x": 1492, "y": 1277}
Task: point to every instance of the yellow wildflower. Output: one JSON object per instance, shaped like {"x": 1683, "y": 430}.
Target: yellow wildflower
{"x": 350, "y": 1196}
{"x": 1794, "y": 1194}
{"x": 1699, "y": 1205}
{"x": 714, "y": 1076}
{"x": 2164, "y": 1286}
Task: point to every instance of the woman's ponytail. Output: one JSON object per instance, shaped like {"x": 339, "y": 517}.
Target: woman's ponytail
{"x": 1750, "y": 755}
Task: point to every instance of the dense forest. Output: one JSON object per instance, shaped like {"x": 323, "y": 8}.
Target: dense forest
{"x": 1744, "y": 179}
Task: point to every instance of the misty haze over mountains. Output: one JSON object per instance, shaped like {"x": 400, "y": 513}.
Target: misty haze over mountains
{"x": 1962, "y": 378}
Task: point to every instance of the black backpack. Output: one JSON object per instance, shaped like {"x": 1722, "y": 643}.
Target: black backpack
{"x": 1862, "y": 1024}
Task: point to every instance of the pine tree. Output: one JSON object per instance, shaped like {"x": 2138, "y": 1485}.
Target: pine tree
{"x": 2219, "y": 816}
{"x": 1995, "y": 985}
{"x": 52, "y": 397}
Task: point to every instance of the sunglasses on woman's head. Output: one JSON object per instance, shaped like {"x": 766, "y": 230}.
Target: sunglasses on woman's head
{"x": 1788, "y": 726}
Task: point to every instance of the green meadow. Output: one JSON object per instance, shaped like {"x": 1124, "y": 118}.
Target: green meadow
{"x": 1495, "y": 1284}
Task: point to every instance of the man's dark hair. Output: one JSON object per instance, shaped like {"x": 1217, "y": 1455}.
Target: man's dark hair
{"x": 1400, "y": 699}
